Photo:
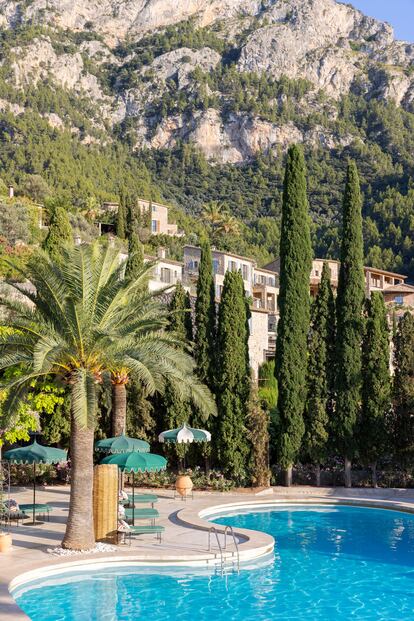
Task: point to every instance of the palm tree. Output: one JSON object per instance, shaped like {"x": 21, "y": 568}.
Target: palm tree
{"x": 213, "y": 216}
{"x": 229, "y": 224}
{"x": 82, "y": 321}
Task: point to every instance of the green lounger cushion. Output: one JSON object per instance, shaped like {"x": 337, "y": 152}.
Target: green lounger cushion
{"x": 141, "y": 530}
{"x": 38, "y": 508}
{"x": 141, "y": 514}
{"x": 143, "y": 498}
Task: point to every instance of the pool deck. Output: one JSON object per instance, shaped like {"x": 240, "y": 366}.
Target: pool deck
{"x": 185, "y": 540}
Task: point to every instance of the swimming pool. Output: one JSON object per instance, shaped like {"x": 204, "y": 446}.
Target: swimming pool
{"x": 331, "y": 563}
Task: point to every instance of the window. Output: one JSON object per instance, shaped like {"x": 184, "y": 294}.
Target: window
{"x": 399, "y": 299}
{"x": 192, "y": 265}
{"x": 245, "y": 272}
{"x": 154, "y": 208}
{"x": 316, "y": 273}
{"x": 154, "y": 226}
{"x": 232, "y": 267}
{"x": 165, "y": 275}
{"x": 216, "y": 265}
{"x": 219, "y": 289}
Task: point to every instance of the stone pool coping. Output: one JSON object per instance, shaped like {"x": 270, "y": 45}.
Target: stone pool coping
{"x": 191, "y": 520}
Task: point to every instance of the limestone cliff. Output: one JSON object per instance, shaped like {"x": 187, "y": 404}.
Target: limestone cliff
{"x": 162, "y": 93}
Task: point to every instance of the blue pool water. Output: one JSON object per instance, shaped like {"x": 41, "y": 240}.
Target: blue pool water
{"x": 330, "y": 563}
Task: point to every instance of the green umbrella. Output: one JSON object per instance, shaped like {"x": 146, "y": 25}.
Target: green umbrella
{"x": 122, "y": 444}
{"x": 185, "y": 435}
{"x": 136, "y": 462}
{"x": 35, "y": 454}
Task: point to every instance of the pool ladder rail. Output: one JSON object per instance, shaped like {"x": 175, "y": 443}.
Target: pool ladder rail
{"x": 224, "y": 560}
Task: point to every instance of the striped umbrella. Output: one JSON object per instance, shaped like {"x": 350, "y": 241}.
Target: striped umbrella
{"x": 184, "y": 435}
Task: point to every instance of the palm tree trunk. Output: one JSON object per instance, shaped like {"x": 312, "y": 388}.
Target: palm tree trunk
{"x": 79, "y": 533}
{"x": 118, "y": 409}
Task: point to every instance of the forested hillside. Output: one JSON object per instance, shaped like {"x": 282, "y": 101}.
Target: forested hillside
{"x": 191, "y": 114}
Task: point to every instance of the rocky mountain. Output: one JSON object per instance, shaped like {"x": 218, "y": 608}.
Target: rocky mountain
{"x": 198, "y": 100}
{"x": 165, "y": 72}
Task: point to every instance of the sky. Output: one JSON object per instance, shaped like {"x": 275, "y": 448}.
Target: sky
{"x": 399, "y": 13}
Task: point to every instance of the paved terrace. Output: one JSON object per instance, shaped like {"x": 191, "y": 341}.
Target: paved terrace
{"x": 186, "y": 535}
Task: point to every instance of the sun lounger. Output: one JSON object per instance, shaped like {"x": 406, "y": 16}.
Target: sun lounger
{"x": 12, "y": 516}
{"x": 39, "y": 509}
{"x": 141, "y": 514}
{"x": 155, "y": 529}
{"x": 140, "y": 499}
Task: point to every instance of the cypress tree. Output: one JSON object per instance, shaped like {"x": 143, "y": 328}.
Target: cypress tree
{"x": 172, "y": 409}
{"x": 181, "y": 313}
{"x": 132, "y": 218}
{"x": 319, "y": 372}
{"x": 294, "y": 302}
{"x": 188, "y": 319}
{"x": 60, "y": 233}
{"x": 376, "y": 384}
{"x": 121, "y": 224}
{"x": 258, "y": 424}
{"x": 403, "y": 392}
{"x": 205, "y": 317}
{"x": 135, "y": 260}
{"x": 349, "y": 305}
{"x": 233, "y": 378}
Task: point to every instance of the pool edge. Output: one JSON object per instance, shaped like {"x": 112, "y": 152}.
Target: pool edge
{"x": 257, "y": 543}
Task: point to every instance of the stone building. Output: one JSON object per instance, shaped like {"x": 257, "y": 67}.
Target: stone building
{"x": 158, "y": 216}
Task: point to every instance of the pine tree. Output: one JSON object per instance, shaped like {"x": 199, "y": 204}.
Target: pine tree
{"x": 233, "y": 378}
{"x": 349, "y": 305}
{"x": 403, "y": 392}
{"x": 376, "y": 385}
{"x": 205, "y": 317}
{"x": 294, "y": 302}
{"x": 319, "y": 373}
{"x": 135, "y": 257}
{"x": 121, "y": 224}
{"x": 60, "y": 233}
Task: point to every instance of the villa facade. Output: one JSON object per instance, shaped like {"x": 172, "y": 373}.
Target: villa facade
{"x": 158, "y": 216}
{"x": 392, "y": 285}
{"x": 261, "y": 286}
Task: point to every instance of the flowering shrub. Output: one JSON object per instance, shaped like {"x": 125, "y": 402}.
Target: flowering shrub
{"x": 214, "y": 480}
{"x": 22, "y": 474}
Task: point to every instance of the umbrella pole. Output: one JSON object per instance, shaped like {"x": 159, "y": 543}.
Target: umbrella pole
{"x": 34, "y": 491}
{"x": 34, "y": 522}
{"x": 133, "y": 498}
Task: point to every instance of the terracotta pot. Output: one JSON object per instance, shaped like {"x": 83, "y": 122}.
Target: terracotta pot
{"x": 183, "y": 485}
{"x": 5, "y": 542}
